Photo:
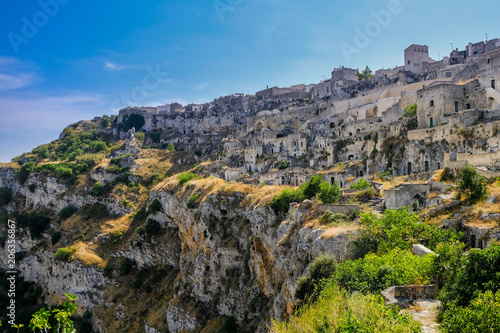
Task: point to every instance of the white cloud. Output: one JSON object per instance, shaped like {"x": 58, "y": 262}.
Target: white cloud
{"x": 202, "y": 86}
{"x": 112, "y": 66}
{"x": 16, "y": 81}
{"x": 46, "y": 114}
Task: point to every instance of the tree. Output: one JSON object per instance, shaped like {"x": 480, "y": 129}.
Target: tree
{"x": 366, "y": 74}
{"x": 472, "y": 185}
{"x": 5, "y": 195}
{"x": 134, "y": 120}
{"x": 171, "y": 147}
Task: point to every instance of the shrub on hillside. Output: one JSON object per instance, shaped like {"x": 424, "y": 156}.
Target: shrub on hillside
{"x": 321, "y": 268}
{"x": 67, "y": 212}
{"x": 187, "y": 176}
{"x": 361, "y": 184}
{"x": 5, "y": 195}
{"x": 472, "y": 185}
{"x": 64, "y": 253}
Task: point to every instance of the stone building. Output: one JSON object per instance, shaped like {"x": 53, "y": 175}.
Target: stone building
{"x": 343, "y": 77}
{"x": 415, "y": 55}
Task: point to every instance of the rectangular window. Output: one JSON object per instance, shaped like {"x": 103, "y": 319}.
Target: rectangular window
{"x": 432, "y": 103}
{"x": 432, "y": 122}
{"x": 456, "y": 106}
{"x": 408, "y": 62}
{"x": 493, "y": 84}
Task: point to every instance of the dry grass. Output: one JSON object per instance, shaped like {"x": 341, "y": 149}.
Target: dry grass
{"x": 432, "y": 195}
{"x": 117, "y": 226}
{"x": 331, "y": 231}
{"x": 254, "y": 196}
{"x": 85, "y": 253}
{"x": 417, "y": 308}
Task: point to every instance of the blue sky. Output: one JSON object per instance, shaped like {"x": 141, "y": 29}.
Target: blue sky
{"x": 66, "y": 60}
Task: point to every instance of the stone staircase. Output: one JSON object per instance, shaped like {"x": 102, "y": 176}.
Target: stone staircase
{"x": 377, "y": 204}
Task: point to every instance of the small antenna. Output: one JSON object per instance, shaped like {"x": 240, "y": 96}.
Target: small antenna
{"x": 486, "y": 36}
{"x": 451, "y": 46}
{"x": 439, "y": 56}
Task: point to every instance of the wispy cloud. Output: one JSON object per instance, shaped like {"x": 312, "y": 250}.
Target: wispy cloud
{"x": 11, "y": 82}
{"x": 112, "y": 66}
{"x": 14, "y": 74}
{"x": 45, "y": 114}
{"x": 202, "y": 86}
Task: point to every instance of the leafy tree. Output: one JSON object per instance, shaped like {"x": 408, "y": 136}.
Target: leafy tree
{"x": 321, "y": 268}
{"x": 477, "y": 272}
{"x": 283, "y": 165}
{"x": 482, "y": 315}
{"x": 97, "y": 146}
{"x": 472, "y": 185}
{"x": 5, "y": 195}
{"x": 328, "y": 193}
{"x": 64, "y": 324}
{"x": 134, "y": 120}
{"x": 67, "y": 212}
{"x": 171, "y": 147}
{"x": 360, "y": 184}
{"x": 42, "y": 152}
{"x": 24, "y": 172}
{"x": 366, "y": 74}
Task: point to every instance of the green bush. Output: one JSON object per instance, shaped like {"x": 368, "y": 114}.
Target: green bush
{"x": 67, "y": 212}
{"x": 42, "y": 152}
{"x": 154, "y": 207}
{"x": 361, "y": 184}
{"x": 126, "y": 266}
{"x": 327, "y": 193}
{"x": 187, "y": 176}
{"x": 375, "y": 273}
{"x": 25, "y": 170}
{"x": 5, "y": 195}
{"x": 316, "y": 186}
{"x": 140, "y": 136}
{"x": 481, "y": 316}
{"x": 321, "y": 268}
{"x": 97, "y": 146}
{"x": 97, "y": 189}
{"x": 134, "y": 120}
{"x": 193, "y": 201}
{"x": 55, "y": 237}
{"x": 472, "y": 185}
{"x": 35, "y": 222}
{"x": 171, "y": 147}
{"x": 447, "y": 175}
{"x": 365, "y": 194}
{"x": 333, "y": 218}
{"x": 410, "y": 111}
{"x": 230, "y": 326}
{"x": 282, "y": 201}
{"x": 283, "y": 165}
{"x": 152, "y": 227}
{"x": 397, "y": 229}
{"x": 64, "y": 253}
{"x": 477, "y": 272}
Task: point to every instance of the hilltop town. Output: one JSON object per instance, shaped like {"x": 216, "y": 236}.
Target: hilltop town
{"x": 368, "y": 125}
{"x": 168, "y": 218}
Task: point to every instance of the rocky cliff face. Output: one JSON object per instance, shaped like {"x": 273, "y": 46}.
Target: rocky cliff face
{"x": 228, "y": 256}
